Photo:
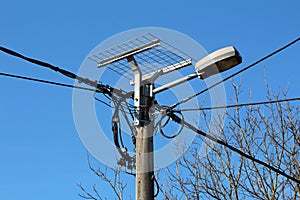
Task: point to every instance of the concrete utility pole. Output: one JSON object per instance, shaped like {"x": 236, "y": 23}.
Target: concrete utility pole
{"x": 143, "y": 100}
{"x": 144, "y": 163}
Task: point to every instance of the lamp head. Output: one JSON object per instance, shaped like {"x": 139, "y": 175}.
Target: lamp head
{"x": 218, "y": 61}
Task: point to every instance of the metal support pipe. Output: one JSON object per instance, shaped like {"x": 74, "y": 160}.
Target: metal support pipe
{"x": 174, "y": 83}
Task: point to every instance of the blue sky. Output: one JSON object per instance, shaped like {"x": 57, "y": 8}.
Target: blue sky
{"x": 41, "y": 154}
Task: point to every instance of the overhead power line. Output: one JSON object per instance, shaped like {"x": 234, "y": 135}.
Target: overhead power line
{"x": 55, "y": 83}
{"x": 223, "y": 143}
{"x": 234, "y": 74}
{"x": 100, "y": 87}
{"x": 241, "y": 105}
{"x": 45, "y": 81}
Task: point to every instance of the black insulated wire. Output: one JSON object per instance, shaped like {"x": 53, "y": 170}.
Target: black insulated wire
{"x": 102, "y": 88}
{"x": 232, "y": 148}
{"x": 178, "y": 120}
{"x": 242, "y": 105}
{"x": 157, "y": 185}
{"x": 47, "y": 82}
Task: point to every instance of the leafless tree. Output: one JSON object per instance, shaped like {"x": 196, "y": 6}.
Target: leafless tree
{"x": 269, "y": 133}
{"x": 115, "y": 183}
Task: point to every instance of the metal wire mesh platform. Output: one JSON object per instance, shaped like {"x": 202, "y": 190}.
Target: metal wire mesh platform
{"x": 150, "y": 53}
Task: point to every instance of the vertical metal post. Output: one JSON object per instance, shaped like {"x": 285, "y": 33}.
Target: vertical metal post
{"x": 143, "y": 99}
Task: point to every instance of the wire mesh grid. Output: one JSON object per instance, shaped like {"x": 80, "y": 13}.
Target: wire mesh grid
{"x": 150, "y": 53}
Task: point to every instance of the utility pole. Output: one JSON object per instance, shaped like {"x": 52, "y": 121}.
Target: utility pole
{"x": 149, "y": 58}
{"x": 143, "y": 100}
{"x": 144, "y": 163}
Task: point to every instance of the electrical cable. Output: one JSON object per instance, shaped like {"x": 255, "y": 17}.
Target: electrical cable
{"x": 47, "y": 82}
{"x": 126, "y": 159}
{"x": 100, "y": 87}
{"x": 164, "y": 125}
{"x": 128, "y": 108}
{"x": 122, "y": 109}
{"x": 130, "y": 126}
{"x": 236, "y": 73}
{"x": 223, "y": 143}
{"x": 241, "y": 105}
{"x": 129, "y": 173}
{"x": 116, "y": 126}
{"x": 157, "y": 186}
{"x": 105, "y": 103}
{"x": 116, "y": 141}
{"x": 54, "y": 83}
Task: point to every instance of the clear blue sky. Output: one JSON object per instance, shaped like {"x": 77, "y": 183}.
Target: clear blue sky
{"x": 41, "y": 154}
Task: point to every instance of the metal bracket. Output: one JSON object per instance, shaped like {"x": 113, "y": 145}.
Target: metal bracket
{"x": 137, "y": 88}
